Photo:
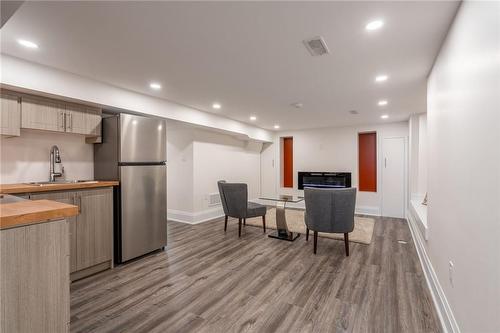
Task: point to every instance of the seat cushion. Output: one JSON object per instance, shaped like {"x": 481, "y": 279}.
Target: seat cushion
{"x": 255, "y": 209}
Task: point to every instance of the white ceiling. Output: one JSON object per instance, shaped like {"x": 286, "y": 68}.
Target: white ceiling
{"x": 248, "y": 56}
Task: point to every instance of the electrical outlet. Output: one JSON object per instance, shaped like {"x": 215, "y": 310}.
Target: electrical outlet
{"x": 450, "y": 272}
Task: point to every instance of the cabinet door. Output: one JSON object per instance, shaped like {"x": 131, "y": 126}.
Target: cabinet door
{"x": 82, "y": 119}
{"x": 76, "y": 119}
{"x": 10, "y": 115}
{"x": 94, "y": 123}
{"x": 68, "y": 198}
{"x": 42, "y": 114}
{"x": 34, "y": 278}
{"x": 94, "y": 227}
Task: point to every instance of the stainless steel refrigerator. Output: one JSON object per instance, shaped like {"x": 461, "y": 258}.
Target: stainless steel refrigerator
{"x": 133, "y": 151}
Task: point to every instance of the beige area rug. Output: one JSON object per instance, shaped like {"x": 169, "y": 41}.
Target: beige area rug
{"x": 362, "y": 233}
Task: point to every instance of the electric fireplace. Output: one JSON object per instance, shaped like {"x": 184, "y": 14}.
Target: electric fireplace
{"x": 324, "y": 179}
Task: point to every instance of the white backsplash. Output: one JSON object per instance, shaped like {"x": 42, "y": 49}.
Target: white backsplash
{"x": 26, "y": 158}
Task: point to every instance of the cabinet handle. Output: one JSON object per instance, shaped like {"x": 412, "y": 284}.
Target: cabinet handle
{"x": 63, "y": 120}
{"x": 69, "y": 123}
{"x": 79, "y": 203}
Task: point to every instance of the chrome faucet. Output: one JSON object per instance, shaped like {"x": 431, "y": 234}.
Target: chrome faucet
{"x": 55, "y": 158}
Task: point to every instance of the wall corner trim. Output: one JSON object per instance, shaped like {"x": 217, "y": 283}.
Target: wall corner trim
{"x": 443, "y": 308}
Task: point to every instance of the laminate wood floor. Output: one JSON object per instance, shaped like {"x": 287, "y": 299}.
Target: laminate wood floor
{"x": 211, "y": 281}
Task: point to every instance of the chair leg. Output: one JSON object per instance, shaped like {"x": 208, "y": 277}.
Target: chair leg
{"x": 239, "y": 227}
{"x": 346, "y": 241}
{"x": 315, "y": 241}
{"x": 264, "y": 222}
{"x": 307, "y": 234}
{"x": 244, "y": 221}
{"x": 225, "y": 223}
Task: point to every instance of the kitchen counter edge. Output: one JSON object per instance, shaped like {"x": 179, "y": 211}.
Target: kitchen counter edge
{"x": 28, "y": 188}
{"x": 23, "y": 213}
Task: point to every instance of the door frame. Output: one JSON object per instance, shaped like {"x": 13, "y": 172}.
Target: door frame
{"x": 405, "y": 173}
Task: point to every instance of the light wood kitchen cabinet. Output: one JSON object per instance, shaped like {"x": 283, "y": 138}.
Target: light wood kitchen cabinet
{"x": 59, "y": 116}
{"x": 82, "y": 119}
{"x": 91, "y": 232}
{"x": 34, "y": 278}
{"x": 10, "y": 115}
{"x": 94, "y": 227}
{"x": 94, "y": 121}
{"x": 42, "y": 114}
{"x": 69, "y": 198}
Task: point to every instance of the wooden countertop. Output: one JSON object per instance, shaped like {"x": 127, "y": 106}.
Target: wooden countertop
{"x": 28, "y": 188}
{"x": 33, "y": 211}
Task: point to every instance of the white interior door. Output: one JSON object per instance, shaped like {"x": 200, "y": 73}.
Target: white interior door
{"x": 267, "y": 170}
{"x": 394, "y": 177}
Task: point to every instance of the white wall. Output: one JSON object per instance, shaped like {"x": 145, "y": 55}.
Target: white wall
{"x": 219, "y": 157}
{"x": 26, "y": 158}
{"x": 197, "y": 159}
{"x": 464, "y": 166}
{"x": 413, "y": 142}
{"x": 179, "y": 167}
{"x": 422, "y": 155}
{"x": 336, "y": 150}
{"x": 20, "y": 74}
{"x": 418, "y": 156}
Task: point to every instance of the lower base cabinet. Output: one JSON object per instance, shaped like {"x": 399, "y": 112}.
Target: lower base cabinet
{"x": 90, "y": 232}
{"x": 94, "y": 228}
{"x": 34, "y": 278}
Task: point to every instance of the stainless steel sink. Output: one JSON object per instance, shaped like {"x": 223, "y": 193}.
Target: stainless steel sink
{"x": 61, "y": 182}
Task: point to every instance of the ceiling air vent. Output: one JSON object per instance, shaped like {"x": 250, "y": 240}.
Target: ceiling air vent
{"x": 316, "y": 46}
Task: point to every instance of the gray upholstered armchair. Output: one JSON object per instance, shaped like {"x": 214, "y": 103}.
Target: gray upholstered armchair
{"x": 234, "y": 197}
{"x": 330, "y": 210}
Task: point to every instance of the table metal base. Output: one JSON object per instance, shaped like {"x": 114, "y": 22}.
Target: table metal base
{"x": 288, "y": 236}
{"x": 282, "y": 232}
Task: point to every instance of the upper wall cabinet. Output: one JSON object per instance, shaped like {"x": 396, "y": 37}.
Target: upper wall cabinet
{"x": 83, "y": 119}
{"x": 10, "y": 115}
{"x": 42, "y": 114}
{"x": 59, "y": 116}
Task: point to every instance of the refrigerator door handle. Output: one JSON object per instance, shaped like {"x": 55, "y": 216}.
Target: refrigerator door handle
{"x": 141, "y": 163}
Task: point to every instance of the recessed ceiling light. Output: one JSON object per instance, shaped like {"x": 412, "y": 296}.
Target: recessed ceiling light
{"x": 384, "y": 116}
{"x": 216, "y": 106}
{"x": 276, "y": 126}
{"x": 297, "y": 105}
{"x": 374, "y": 25}
{"x": 382, "y": 102}
{"x": 381, "y": 78}
{"x": 253, "y": 118}
{"x": 155, "y": 86}
{"x": 27, "y": 43}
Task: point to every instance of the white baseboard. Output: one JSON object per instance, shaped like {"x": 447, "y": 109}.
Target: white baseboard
{"x": 445, "y": 314}
{"x": 216, "y": 212}
{"x": 368, "y": 210}
{"x": 194, "y": 218}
